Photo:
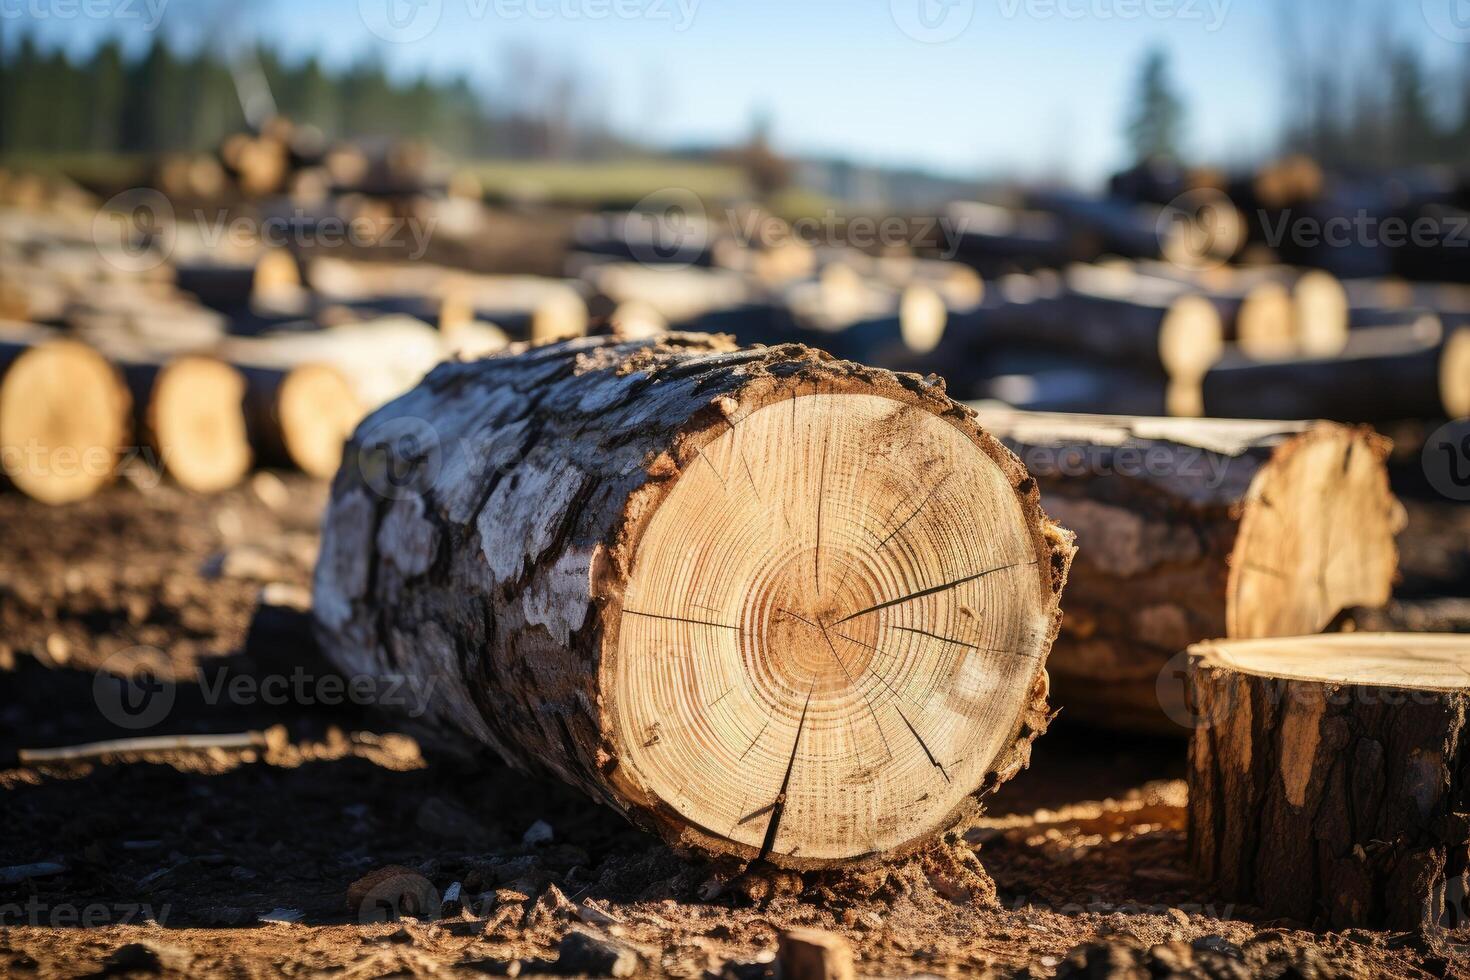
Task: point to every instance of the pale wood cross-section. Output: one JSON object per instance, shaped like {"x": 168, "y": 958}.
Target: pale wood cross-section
{"x": 763, "y": 602}
{"x": 64, "y": 416}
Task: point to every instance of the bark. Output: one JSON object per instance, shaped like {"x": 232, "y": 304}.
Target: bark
{"x": 1191, "y": 530}
{"x": 997, "y": 240}
{"x": 1385, "y": 374}
{"x": 1333, "y": 789}
{"x": 501, "y": 532}
{"x": 1162, "y": 332}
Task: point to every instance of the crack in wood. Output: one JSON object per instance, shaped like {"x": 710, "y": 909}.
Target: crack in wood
{"x": 757, "y": 738}
{"x": 915, "y": 513}
{"x": 718, "y": 475}
{"x": 922, "y": 744}
{"x": 932, "y": 590}
{"x": 778, "y": 805}
{"x": 881, "y": 679}
{"x": 821, "y": 497}
{"x": 681, "y": 619}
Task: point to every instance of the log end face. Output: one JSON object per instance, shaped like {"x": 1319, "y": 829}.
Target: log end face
{"x": 1316, "y": 535}
{"x": 63, "y": 418}
{"x": 832, "y": 629}
{"x": 1191, "y": 339}
{"x": 197, "y": 419}
{"x": 317, "y": 411}
{"x": 1454, "y": 374}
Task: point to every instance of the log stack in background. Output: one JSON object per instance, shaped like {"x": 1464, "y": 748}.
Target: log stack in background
{"x": 762, "y": 602}
{"x": 1192, "y": 529}
{"x": 1329, "y": 780}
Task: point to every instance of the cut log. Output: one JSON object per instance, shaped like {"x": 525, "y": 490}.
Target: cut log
{"x": 998, "y": 240}
{"x": 958, "y": 285}
{"x": 234, "y": 286}
{"x": 380, "y": 359}
{"x": 1385, "y": 374}
{"x": 1190, "y": 530}
{"x": 1178, "y": 336}
{"x": 1328, "y": 777}
{"x": 299, "y": 416}
{"x": 742, "y": 596}
{"x": 64, "y": 417}
{"x": 1257, "y": 314}
{"x": 190, "y": 411}
{"x": 678, "y": 295}
{"x": 526, "y": 308}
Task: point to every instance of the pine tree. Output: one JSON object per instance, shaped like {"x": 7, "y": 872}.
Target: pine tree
{"x": 1158, "y": 113}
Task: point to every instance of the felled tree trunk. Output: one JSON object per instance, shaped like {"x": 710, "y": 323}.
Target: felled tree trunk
{"x": 1191, "y": 530}
{"x": 190, "y": 411}
{"x": 1385, "y": 374}
{"x": 762, "y": 602}
{"x": 64, "y": 416}
{"x": 1329, "y": 778}
{"x": 299, "y": 416}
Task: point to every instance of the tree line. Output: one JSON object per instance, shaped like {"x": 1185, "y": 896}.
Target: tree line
{"x": 165, "y": 99}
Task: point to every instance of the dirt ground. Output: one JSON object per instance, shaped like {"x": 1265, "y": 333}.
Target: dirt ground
{"x": 285, "y": 852}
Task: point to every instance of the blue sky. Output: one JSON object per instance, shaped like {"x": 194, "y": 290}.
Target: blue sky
{"x": 970, "y": 87}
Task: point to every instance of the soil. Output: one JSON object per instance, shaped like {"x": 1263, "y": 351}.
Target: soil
{"x": 329, "y": 841}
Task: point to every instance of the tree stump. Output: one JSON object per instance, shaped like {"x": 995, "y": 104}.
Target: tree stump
{"x": 1329, "y": 777}
{"x": 762, "y": 602}
{"x": 1194, "y": 529}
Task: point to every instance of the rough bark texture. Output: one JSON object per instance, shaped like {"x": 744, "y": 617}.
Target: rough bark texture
{"x": 1165, "y": 333}
{"x": 1333, "y": 803}
{"x": 1192, "y": 530}
{"x": 1384, "y": 374}
{"x": 481, "y": 535}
